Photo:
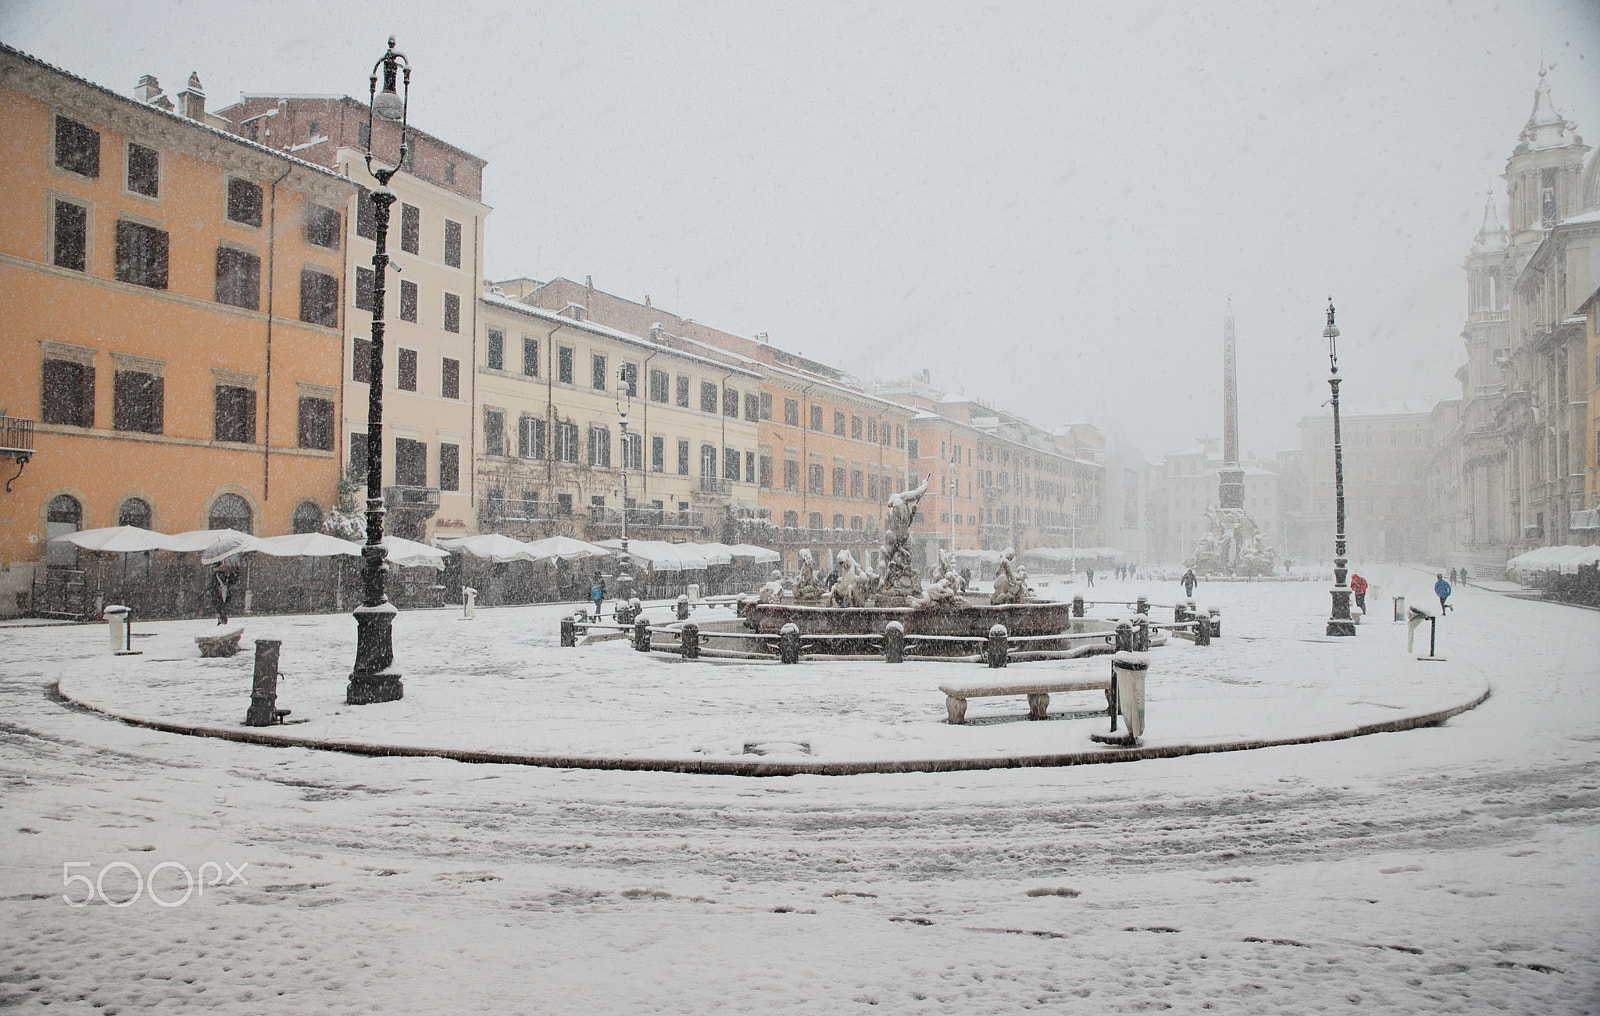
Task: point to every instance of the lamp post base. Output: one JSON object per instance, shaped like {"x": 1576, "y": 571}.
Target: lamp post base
{"x": 1341, "y": 623}
{"x": 366, "y": 689}
{"x": 371, "y": 680}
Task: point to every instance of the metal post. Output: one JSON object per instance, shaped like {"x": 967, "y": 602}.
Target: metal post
{"x": 263, "y": 710}
{"x": 1142, "y": 605}
{"x": 1340, "y": 623}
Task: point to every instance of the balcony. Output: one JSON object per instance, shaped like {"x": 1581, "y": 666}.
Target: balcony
{"x": 410, "y": 508}
{"x": 715, "y": 486}
{"x": 16, "y": 442}
{"x": 599, "y": 516}
{"x": 515, "y": 509}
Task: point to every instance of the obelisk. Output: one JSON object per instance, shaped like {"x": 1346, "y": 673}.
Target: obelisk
{"x": 1231, "y": 489}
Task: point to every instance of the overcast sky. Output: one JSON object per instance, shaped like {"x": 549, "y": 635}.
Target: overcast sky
{"x": 1045, "y": 204}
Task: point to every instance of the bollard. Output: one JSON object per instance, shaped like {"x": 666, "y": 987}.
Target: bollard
{"x": 1142, "y": 605}
{"x": 789, "y": 643}
{"x": 569, "y": 633}
{"x": 689, "y": 639}
{"x": 1179, "y": 614}
{"x": 1128, "y": 674}
{"x": 264, "y": 711}
{"x": 1202, "y": 630}
{"x": 1141, "y": 634}
{"x": 469, "y": 603}
{"x": 894, "y": 642}
{"x": 1216, "y": 622}
{"x": 1399, "y": 608}
{"x": 997, "y": 650}
{"x": 683, "y": 607}
{"x": 641, "y": 635}
{"x": 1077, "y": 605}
{"x": 119, "y": 620}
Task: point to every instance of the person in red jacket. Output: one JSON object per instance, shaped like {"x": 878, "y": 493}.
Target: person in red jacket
{"x": 1358, "y": 585}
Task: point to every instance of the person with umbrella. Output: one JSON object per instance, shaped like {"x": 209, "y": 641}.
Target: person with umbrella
{"x": 597, "y": 593}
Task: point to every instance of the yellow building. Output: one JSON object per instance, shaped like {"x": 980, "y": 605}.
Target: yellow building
{"x": 171, "y": 323}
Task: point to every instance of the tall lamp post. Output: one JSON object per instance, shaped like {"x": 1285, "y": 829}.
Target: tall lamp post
{"x": 371, "y": 680}
{"x": 1340, "y": 623}
{"x": 624, "y": 573}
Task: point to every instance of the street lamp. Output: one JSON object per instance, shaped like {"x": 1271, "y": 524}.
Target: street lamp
{"x": 624, "y": 403}
{"x": 1340, "y": 623}
{"x": 371, "y": 680}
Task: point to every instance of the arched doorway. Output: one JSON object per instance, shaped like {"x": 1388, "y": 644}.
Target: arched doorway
{"x": 308, "y": 518}
{"x": 230, "y": 511}
{"x": 135, "y": 511}
{"x": 63, "y": 515}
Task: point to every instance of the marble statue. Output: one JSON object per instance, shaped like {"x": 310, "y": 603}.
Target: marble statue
{"x": 1010, "y": 581}
{"x": 946, "y": 567}
{"x": 1233, "y": 545}
{"x": 807, "y": 588}
{"x": 772, "y": 592}
{"x": 943, "y": 592}
{"x": 855, "y": 583}
{"x": 900, "y": 582}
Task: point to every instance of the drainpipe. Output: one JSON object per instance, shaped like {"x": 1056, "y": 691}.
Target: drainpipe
{"x": 266, "y": 427}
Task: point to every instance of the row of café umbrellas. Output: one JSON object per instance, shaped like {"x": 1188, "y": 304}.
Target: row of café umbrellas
{"x": 1566, "y": 560}
{"x": 218, "y": 544}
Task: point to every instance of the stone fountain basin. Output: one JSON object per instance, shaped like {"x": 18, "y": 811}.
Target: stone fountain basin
{"x": 974, "y": 620}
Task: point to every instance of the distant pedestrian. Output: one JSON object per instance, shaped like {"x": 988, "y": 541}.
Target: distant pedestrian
{"x": 1441, "y": 589}
{"x": 1463, "y": 575}
{"x": 1089, "y": 574}
{"x": 597, "y": 593}
{"x": 1358, "y": 585}
{"x": 1189, "y": 582}
{"x": 1131, "y": 567}
{"x": 223, "y": 576}
{"x": 1453, "y": 578}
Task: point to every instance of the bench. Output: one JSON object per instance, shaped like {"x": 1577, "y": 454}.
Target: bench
{"x": 226, "y": 644}
{"x": 1037, "y": 689}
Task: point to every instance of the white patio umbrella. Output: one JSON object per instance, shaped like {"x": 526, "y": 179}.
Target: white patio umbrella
{"x": 405, "y": 553}
{"x": 565, "y": 548}
{"x": 761, "y": 555}
{"x": 118, "y": 540}
{"x": 714, "y": 553}
{"x": 491, "y": 546}
{"x": 201, "y": 540}
{"x": 307, "y": 545}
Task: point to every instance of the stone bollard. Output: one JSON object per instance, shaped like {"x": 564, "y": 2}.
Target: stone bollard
{"x": 1124, "y": 637}
{"x": 119, "y": 634}
{"x": 683, "y": 607}
{"x": 641, "y": 635}
{"x": 1179, "y": 614}
{"x": 894, "y": 642}
{"x": 1202, "y": 630}
{"x": 1077, "y": 605}
{"x": 689, "y": 639}
{"x": 997, "y": 650}
{"x": 264, "y": 711}
{"x": 1141, "y": 634}
{"x": 789, "y": 643}
{"x": 1142, "y": 605}
{"x": 569, "y": 633}
{"x": 469, "y": 603}
{"x": 1216, "y": 622}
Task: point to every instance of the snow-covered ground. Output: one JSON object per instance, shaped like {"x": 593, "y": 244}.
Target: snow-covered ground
{"x": 1443, "y": 869}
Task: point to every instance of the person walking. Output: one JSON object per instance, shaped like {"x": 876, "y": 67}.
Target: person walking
{"x": 1089, "y": 574}
{"x": 223, "y": 575}
{"x": 1189, "y": 582}
{"x": 597, "y": 593}
{"x": 1441, "y": 589}
{"x": 1463, "y": 575}
{"x": 1358, "y": 585}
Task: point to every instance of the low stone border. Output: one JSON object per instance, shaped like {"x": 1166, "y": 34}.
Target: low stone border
{"x": 731, "y": 767}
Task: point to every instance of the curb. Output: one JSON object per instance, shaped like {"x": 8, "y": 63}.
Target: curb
{"x": 729, "y": 767}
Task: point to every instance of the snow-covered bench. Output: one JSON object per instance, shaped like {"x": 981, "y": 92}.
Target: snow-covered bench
{"x": 1038, "y": 689}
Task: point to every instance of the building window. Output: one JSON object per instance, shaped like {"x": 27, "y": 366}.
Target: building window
{"x": 449, "y": 172}
{"x": 452, "y": 312}
{"x": 730, "y": 403}
{"x": 449, "y": 467}
{"x": 855, "y": 483}
{"x": 234, "y": 415}
{"x": 632, "y": 451}
{"x": 765, "y": 473}
{"x": 840, "y": 482}
{"x": 361, "y": 361}
{"x": 791, "y": 519}
{"x": 244, "y": 201}
{"x": 630, "y": 376}
{"x": 566, "y": 446}
{"x": 144, "y": 170}
{"x": 307, "y": 518}
{"x": 752, "y": 407}
{"x": 816, "y": 417}
{"x": 77, "y": 148}
{"x": 408, "y": 301}
{"x": 855, "y": 427}
{"x": 599, "y": 446}
{"x": 658, "y": 454}
{"x": 597, "y": 372}
{"x": 406, "y": 369}
{"x": 366, "y": 214}
{"x": 410, "y": 463}
{"x": 708, "y": 460}
{"x": 816, "y": 478}
{"x": 530, "y": 437}
{"x": 366, "y": 289}
{"x": 497, "y": 349}
{"x": 730, "y": 464}
{"x": 899, "y": 436}
{"x": 660, "y": 386}
{"x": 683, "y": 458}
{"x": 141, "y": 254}
{"x": 322, "y": 226}
{"x": 410, "y": 228}
{"x": 872, "y": 431}
{"x": 319, "y": 298}
{"x": 316, "y": 423}
{"x": 564, "y": 365}
{"x": 530, "y": 356}
{"x": 71, "y": 237}
{"x": 494, "y": 432}
{"x": 358, "y": 455}
{"x": 765, "y": 412}
{"x": 135, "y": 511}
{"x": 749, "y": 467}
{"x": 449, "y": 378}
{"x": 230, "y": 511}
{"x": 838, "y": 422}
{"x": 238, "y": 278}
{"x": 137, "y": 401}
{"x": 563, "y": 504}
{"x": 452, "y": 244}
{"x": 912, "y": 451}
{"x": 708, "y": 397}
{"x": 791, "y": 412}
{"x": 791, "y": 474}
{"x": 682, "y": 391}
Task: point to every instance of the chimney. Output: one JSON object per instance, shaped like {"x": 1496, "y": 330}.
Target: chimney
{"x": 192, "y": 100}
{"x": 149, "y": 91}
{"x": 655, "y": 332}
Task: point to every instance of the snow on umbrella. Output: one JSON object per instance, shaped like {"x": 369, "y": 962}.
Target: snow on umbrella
{"x": 201, "y": 540}
{"x": 761, "y": 554}
{"x": 565, "y": 548}
{"x": 307, "y": 545}
{"x": 405, "y": 553}
{"x": 118, "y": 540}
{"x": 494, "y": 547}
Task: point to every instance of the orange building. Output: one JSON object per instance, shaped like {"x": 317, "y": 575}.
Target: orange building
{"x": 171, "y": 322}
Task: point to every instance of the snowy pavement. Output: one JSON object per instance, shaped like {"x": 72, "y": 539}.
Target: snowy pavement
{"x": 1444, "y": 869}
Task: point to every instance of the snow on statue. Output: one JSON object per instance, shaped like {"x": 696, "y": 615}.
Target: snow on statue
{"x": 1232, "y": 546}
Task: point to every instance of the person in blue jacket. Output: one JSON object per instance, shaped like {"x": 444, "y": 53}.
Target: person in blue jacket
{"x": 1441, "y": 589}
